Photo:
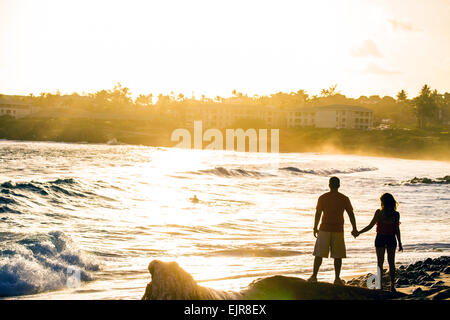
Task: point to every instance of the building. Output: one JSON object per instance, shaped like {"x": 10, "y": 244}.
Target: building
{"x": 231, "y": 115}
{"x": 333, "y": 116}
{"x": 14, "y": 108}
{"x": 227, "y": 115}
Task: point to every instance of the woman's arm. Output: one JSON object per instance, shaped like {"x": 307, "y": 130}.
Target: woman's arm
{"x": 397, "y": 232}
{"x": 372, "y": 223}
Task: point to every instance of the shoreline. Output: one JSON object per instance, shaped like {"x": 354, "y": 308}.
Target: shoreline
{"x": 407, "y": 290}
{"x": 321, "y": 152}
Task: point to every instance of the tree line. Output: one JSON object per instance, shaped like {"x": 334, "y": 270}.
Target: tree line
{"x": 428, "y": 108}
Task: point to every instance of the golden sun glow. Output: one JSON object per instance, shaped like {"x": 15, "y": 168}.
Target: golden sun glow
{"x": 212, "y": 47}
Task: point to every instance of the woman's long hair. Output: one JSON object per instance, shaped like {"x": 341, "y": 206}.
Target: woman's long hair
{"x": 388, "y": 203}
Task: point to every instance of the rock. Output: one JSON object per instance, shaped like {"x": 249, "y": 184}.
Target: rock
{"x": 447, "y": 270}
{"x": 437, "y": 262}
{"x": 413, "y": 277}
{"x": 171, "y": 282}
{"x": 433, "y": 268}
{"x": 428, "y": 261}
{"x": 438, "y": 284}
{"x": 441, "y": 295}
{"x": 422, "y": 273}
{"x": 435, "y": 274}
{"x": 410, "y": 268}
{"x": 402, "y": 281}
{"x": 417, "y": 291}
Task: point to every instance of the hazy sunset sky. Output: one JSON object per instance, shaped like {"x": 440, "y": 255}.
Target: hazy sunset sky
{"x": 213, "y": 47}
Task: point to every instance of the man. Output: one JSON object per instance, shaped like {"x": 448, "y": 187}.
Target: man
{"x": 330, "y": 236}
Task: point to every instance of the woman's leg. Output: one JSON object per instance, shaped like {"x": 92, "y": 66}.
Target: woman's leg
{"x": 391, "y": 261}
{"x": 380, "y": 261}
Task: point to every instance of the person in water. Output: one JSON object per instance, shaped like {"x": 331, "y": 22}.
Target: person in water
{"x": 330, "y": 235}
{"x": 195, "y": 199}
{"x": 387, "y": 220}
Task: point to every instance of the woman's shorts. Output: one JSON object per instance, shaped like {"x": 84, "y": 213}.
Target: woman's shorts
{"x": 385, "y": 241}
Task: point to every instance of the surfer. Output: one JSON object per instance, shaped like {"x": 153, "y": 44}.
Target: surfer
{"x": 194, "y": 199}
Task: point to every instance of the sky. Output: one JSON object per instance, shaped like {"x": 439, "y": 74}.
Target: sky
{"x": 212, "y": 47}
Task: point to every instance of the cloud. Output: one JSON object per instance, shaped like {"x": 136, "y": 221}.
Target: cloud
{"x": 366, "y": 49}
{"x": 398, "y": 25}
{"x": 376, "y": 69}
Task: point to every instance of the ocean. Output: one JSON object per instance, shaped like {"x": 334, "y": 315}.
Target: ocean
{"x": 105, "y": 212}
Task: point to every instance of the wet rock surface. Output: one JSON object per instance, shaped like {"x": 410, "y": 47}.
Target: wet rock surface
{"x": 421, "y": 273}
{"x": 171, "y": 282}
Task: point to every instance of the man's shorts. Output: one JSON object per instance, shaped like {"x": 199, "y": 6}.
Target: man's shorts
{"x": 327, "y": 241}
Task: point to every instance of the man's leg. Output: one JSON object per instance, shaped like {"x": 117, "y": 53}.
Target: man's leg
{"x": 321, "y": 249}
{"x": 337, "y": 268}
{"x": 338, "y": 251}
{"x": 317, "y": 264}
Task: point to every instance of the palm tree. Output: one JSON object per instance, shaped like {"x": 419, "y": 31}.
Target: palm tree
{"x": 402, "y": 96}
{"x": 425, "y": 106}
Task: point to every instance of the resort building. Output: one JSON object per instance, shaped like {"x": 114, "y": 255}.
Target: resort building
{"x": 232, "y": 115}
{"x": 333, "y": 116}
{"x": 16, "y": 109}
{"x": 227, "y": 115}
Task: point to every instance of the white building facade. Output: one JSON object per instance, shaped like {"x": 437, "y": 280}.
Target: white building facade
{"x": 333, "y": 116}
{"x": 15, "y": 109}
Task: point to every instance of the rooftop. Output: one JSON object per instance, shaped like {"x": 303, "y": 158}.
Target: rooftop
{"x": 12, "y": 102}
{"x": 333, "y": 107}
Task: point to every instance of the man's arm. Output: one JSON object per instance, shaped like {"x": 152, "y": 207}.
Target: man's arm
{"x": 351, "y": 215}
{"x": 316, "y": 221}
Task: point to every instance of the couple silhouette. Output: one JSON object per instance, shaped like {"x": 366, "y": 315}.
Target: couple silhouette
{"x": 330, "y": 235}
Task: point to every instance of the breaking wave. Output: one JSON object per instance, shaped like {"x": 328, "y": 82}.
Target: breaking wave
{"x": 40, "y": 262}
{"x": 222, "y": 172}
{"x": 327, "y": 172}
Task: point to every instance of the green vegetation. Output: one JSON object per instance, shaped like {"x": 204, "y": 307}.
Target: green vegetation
{"x": 428, "y": 109}
{"x": 413, "y": 128}
{"x": 417, "y": 143}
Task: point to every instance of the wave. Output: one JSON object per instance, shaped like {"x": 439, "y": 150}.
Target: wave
{"x": 327, "y": 172}
{"x": 422, "y": 181}
{"x": 7, "y": 209}
{"x": 40, "y": 262}
{"x": 15, "y": 195}
{"x": 42, "y": 188}
{"x": 222, "y": 172}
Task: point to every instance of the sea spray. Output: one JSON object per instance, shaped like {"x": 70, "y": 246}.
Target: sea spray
{"x": 39, "y": 262}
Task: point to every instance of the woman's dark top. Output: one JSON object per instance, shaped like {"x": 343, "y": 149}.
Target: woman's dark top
{"x": 387, "y": 223}
{"x": 386, "y": 228}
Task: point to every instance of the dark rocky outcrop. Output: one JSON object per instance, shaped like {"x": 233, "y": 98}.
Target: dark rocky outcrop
{"x": 425, "y": 273}
{"x": 171, "y": 282}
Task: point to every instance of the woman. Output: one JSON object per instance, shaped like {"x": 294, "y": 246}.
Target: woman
{"x": 387, "y": 220}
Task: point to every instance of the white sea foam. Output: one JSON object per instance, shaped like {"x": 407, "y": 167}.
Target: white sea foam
{"x": 39, "y": 262}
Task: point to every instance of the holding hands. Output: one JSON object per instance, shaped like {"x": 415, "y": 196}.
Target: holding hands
{"x": 355, "y": 233}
